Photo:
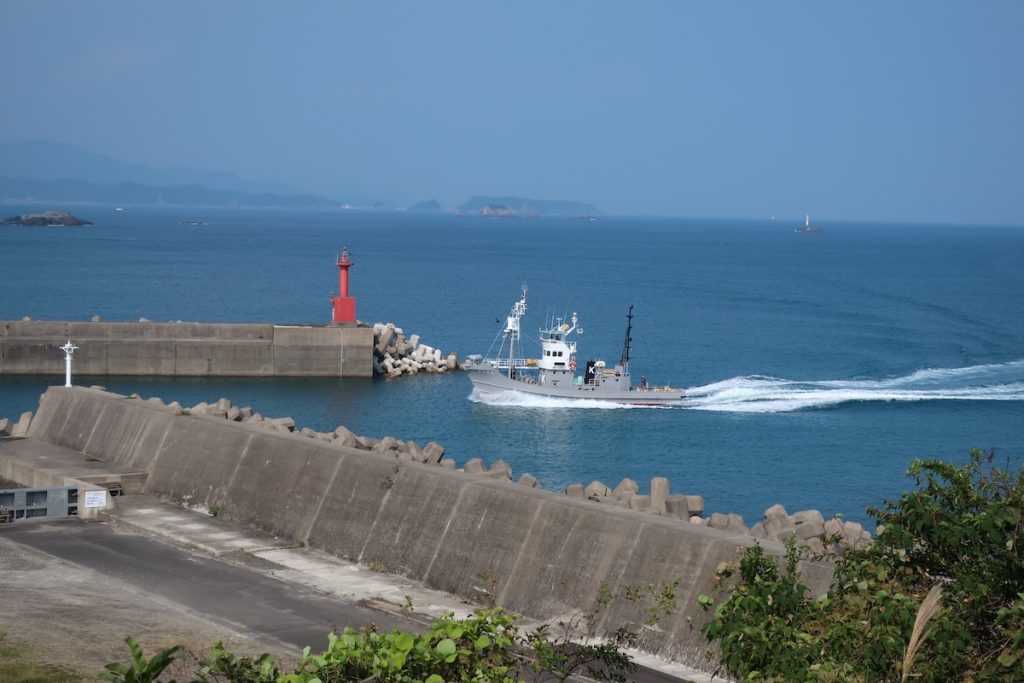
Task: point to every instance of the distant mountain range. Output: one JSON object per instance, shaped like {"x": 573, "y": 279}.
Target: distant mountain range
{"x": 45, "y": 160}
{"x": 27, "y": 190}
{"x": 44, "y": 171}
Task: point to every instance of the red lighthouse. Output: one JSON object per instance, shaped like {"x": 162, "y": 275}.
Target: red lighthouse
{"x": 344, "y": 305}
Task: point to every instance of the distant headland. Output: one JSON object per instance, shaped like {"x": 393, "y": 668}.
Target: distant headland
{"x": 47, "y": 218}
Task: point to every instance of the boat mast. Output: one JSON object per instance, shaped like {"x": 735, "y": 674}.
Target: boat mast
{"x": 512, "y": 328}
{"x": 624, "y": 360}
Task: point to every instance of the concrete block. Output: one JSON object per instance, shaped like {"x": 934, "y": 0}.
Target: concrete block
{"x": 448, "y": 463}
{"x": 642, "y": 503}
{"x": 24, "y": 422}
{"x": 626, "y": 489}
{"x": 283, "y": 422}
{"x": 346, "y": 438}
{"x": 815, "y": 545}
{"x": 659, "y": 493}
{"x": 718, "y": 520}
{"x": 697, "y": 520}
{"x": 388, "y": 443}
{"x": 695, "y": 504}
{"x": 596, "y": 489}
{"x": 811, "y": 529}
{"x": 758, "y": 531}
{"x": 473, "y": 466}
{"x": 776, "y": 519}
{"x": 527, "y": 479}
{"x": 575, "y": 491}
{"x": 224, "y": 404}
{"x": 833, "y": 529}
{"x": 500, "y": 470}
{"x": 804, "y": 516}
{"x": 384, "y": 340}
{"x": 781, "y": 535}
{"x": 216, "y": 411}
{"x": 852, "y": 533}
{"x": 732, "y": 523}
{"x": 234, "y": 414}
{"x": 308, "y": 433}
{"x": 675, "y": 506}
{"x": 6, "y": 427}
{"x": 433, "y": 452}
{"x": 413, "y": 449}
{"x": 736, "y": 523}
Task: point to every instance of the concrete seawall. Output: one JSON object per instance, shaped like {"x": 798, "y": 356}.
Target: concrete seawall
{"x": 29, "y": 347}
{"x": 532, "y": 551}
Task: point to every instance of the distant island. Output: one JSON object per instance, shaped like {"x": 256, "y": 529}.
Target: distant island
{"x": 429, "y": 206}
{"x": 524, "y": 207}
{"x": 47, "y": 218}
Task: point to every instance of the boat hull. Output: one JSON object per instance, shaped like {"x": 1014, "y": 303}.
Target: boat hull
{"x": 490, "y": 383}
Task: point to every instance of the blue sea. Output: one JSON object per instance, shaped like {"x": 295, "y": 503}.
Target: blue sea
{"x": 817, "y": 365}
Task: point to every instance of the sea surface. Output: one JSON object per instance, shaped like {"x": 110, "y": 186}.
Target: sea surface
{"x": 816, "y": 365}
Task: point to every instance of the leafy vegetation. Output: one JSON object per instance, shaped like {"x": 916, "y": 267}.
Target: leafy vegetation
{"x": 939, "y": 595}
{"x": 486, "y": 647}
{"x": 140, "y": 670}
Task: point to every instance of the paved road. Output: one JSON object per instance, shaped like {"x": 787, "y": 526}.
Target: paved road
{"x": 224, "y": 593}
{"x": 235, "y": 596}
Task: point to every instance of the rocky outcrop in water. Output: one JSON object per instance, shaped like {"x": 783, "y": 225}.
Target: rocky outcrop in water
{"x": 45, "y": 219}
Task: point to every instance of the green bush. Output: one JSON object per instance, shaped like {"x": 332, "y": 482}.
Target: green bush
{"x": 958, "y": 536}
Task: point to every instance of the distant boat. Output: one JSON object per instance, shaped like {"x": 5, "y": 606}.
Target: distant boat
{"x": 807, "y": 227}
{"x": 119, "y": 209}
{"x": 194, "y": 222}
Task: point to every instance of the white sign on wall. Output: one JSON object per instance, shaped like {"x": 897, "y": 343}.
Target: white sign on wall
{"x": 96, "y": 499}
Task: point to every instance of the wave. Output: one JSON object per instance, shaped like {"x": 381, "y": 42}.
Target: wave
{"x": 759, "y": 394}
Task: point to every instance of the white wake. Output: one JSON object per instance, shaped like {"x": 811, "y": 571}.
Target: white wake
{"x": 758, "y": 394}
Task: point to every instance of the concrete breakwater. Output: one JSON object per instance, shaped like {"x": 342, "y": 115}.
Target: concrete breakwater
{"x": 394, "y": 355}
{"x": 539, "y": 553}
{"x": 180, "y": 349}
{"x": 809, "y": 527}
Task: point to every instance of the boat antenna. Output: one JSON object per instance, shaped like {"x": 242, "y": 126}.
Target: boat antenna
{"x": 624, "y": 360}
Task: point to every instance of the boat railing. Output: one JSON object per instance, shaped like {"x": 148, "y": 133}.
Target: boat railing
{"x": 518, "y": 363}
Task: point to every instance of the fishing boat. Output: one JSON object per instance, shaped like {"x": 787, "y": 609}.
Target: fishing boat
{"x": 555, "y": 374}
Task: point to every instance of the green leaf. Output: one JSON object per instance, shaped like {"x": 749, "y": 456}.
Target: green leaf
{"x": 434, "y": 678}
{"x": 482, "y": 642}
{"x": 404, "y": 641}
{"x": 446, "y": 647}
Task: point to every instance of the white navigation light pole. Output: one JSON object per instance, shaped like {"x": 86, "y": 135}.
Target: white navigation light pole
{"x": 68, "y": 349}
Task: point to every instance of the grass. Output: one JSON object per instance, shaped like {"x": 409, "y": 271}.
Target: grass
{"x": 16, "y": 666}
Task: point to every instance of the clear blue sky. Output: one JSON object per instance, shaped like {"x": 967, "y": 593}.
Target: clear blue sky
{"x": 901, "y": 111}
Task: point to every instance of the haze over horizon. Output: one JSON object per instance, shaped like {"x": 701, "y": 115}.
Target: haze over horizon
{"x": 874, "y": 111}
